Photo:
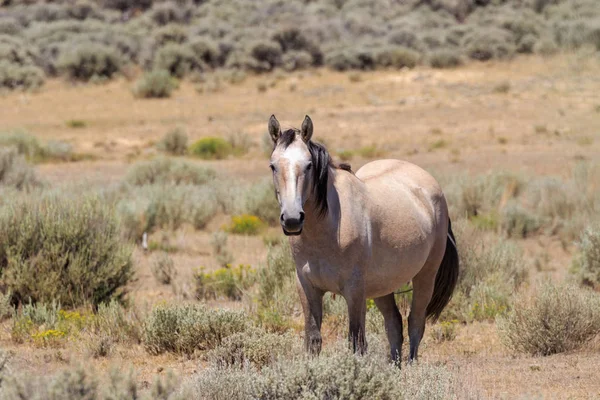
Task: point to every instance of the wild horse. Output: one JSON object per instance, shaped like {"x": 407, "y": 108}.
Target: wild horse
{"x": 363, "y": 236}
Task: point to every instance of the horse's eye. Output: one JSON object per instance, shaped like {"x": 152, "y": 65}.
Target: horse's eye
{"x": 272, "y": 167}
{"x": 309, "y": 166}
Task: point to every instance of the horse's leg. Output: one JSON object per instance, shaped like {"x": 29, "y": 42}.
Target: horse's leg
{"x": 423, "y": 284}
{"x": 357, "y": 311}
{"x": 393, "y": 325}
{"x": 312, "y": 306}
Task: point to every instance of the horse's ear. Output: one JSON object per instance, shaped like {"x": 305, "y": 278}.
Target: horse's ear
{"x": 307, "y": 129}
{"x": 274, "y": 129}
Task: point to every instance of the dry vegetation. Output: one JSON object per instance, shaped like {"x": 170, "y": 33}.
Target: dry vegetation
{"x": 139, "y": 238}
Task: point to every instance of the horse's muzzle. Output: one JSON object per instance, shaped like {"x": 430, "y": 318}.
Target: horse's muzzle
{"x": 292, "y": 226}
{"x": 288, "y": 233}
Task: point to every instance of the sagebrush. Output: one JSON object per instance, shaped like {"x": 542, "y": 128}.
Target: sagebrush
{"x": 555, "y": 319}
{"x": 63, "y": 248}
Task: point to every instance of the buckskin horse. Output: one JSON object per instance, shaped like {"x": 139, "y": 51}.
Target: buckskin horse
{"x": 363, "y": 236}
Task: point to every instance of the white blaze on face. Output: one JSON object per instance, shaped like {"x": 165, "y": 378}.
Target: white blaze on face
{"x": 291, "y": 178}
{"x": 293, "y": 162}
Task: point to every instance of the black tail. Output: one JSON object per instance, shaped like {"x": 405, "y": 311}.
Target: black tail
{"x": 446, "y": 278}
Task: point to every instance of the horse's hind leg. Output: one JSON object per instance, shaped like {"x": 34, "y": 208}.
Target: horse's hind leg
{"x": 393, "y": 325}
{"x": 423, "y": 284}
{"x": 312, "y": 306}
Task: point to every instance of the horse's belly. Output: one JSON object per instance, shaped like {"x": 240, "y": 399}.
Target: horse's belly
{"x": 391, "y": 268}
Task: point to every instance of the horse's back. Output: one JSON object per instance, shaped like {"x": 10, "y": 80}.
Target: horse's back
{"x": 399, "y": 178}
{"x": 402, "y": 172}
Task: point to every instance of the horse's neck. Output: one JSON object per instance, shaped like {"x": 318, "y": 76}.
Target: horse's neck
{"x": 324, "y": 228}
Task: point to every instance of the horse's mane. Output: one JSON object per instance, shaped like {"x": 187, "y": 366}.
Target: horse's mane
{"x": 321, "y": 160}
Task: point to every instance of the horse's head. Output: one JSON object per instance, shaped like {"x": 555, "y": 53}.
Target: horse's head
{"x": 300, "y": 171}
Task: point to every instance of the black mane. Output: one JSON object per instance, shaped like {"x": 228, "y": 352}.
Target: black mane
{"x": 321, "y": 161}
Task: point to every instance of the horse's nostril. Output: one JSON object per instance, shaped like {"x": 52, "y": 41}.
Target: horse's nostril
{"x": 281, "y": 217}
{"x": 301, "y": 216}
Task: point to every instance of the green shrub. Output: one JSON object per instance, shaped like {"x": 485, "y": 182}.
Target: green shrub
{"x": 210, "y": 148}
{"x": 405, "y": 37}
{"x": 169, "y": 12}
{"x": 279, "y": 269}
{"x": 178, "y": 60}
{"x": 552, "y": 199}
{"x": 29, "y": 146}
{"x": 277, "y": 299}
{"x": 25, "y": 77}
{"x": 293, "y": 40}
{"x": 6, "y": 308}
{"x": 165, "y": 206}
{"x": 259, "y": 199}
{"x": 554, "y": 320}
{"x": 444, "y": 331}
{"x": 100, "y": 346}
{"x": 545, "y": 47}
{"x": 370, "y": 151}
{"x": 491, "y": 271}
{"x": 266, "y": 55}
{"x": 168, "y": 171}
{"x": 586, "y": 265}
{"x": 487, "y": 44}
{"x": 253, "y": 348}
{"x": 85, "y": 61}
{"x": 575, "y": 33}
{"x": 245, "y": 225}
{"x": 206, "y": 50}
{"x": 345, "y": 155}
{"x": 174, "y": 142}
{"x": 172, "y": 33}
{"x": 24, "y": 143}
{"x": 518, "y": 221}
{"x": 163, "y": 269}
{"x": 344, "y": 59}
{"x": 526, "y": 44}
{"x": 240, "y": 142}
{"x": 56, "y": 150}
{"x": 83, "y": 383}
{"x": 9, "y": 26}
{"x": 47, "y": 325}
{"x": 76, "y": 123}
{"x": 437, "y": 144}
{"x": 230, "y": 282}
{"x": 124, "y": 5}
{"x": 481, "y": 195}
{"x": 220, "y": 252}
{"x": 339, "y": 374}
{"x": 15, "y": 172}
{"x": 63, "y": 248}
{"x": 121, "y": 325}
{"x": 189, "y": 327}
{"x": 397, "y": 57}
{"x": 445, "y": 58}
{"x": 155, "y": 84}
{"x": 296, "y": 60}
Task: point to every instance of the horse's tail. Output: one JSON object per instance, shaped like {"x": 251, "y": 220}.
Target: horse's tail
{"x": 446, "y": 278}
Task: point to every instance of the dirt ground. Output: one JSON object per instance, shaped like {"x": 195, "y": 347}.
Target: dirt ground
{"x": 537, "y": 116}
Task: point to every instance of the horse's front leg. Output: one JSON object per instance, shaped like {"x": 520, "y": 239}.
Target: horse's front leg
{"x": 312, "y": 306}
{"x": 357, "y": 311}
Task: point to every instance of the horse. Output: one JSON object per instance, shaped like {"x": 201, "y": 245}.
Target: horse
{"x": 362, "y": 236}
